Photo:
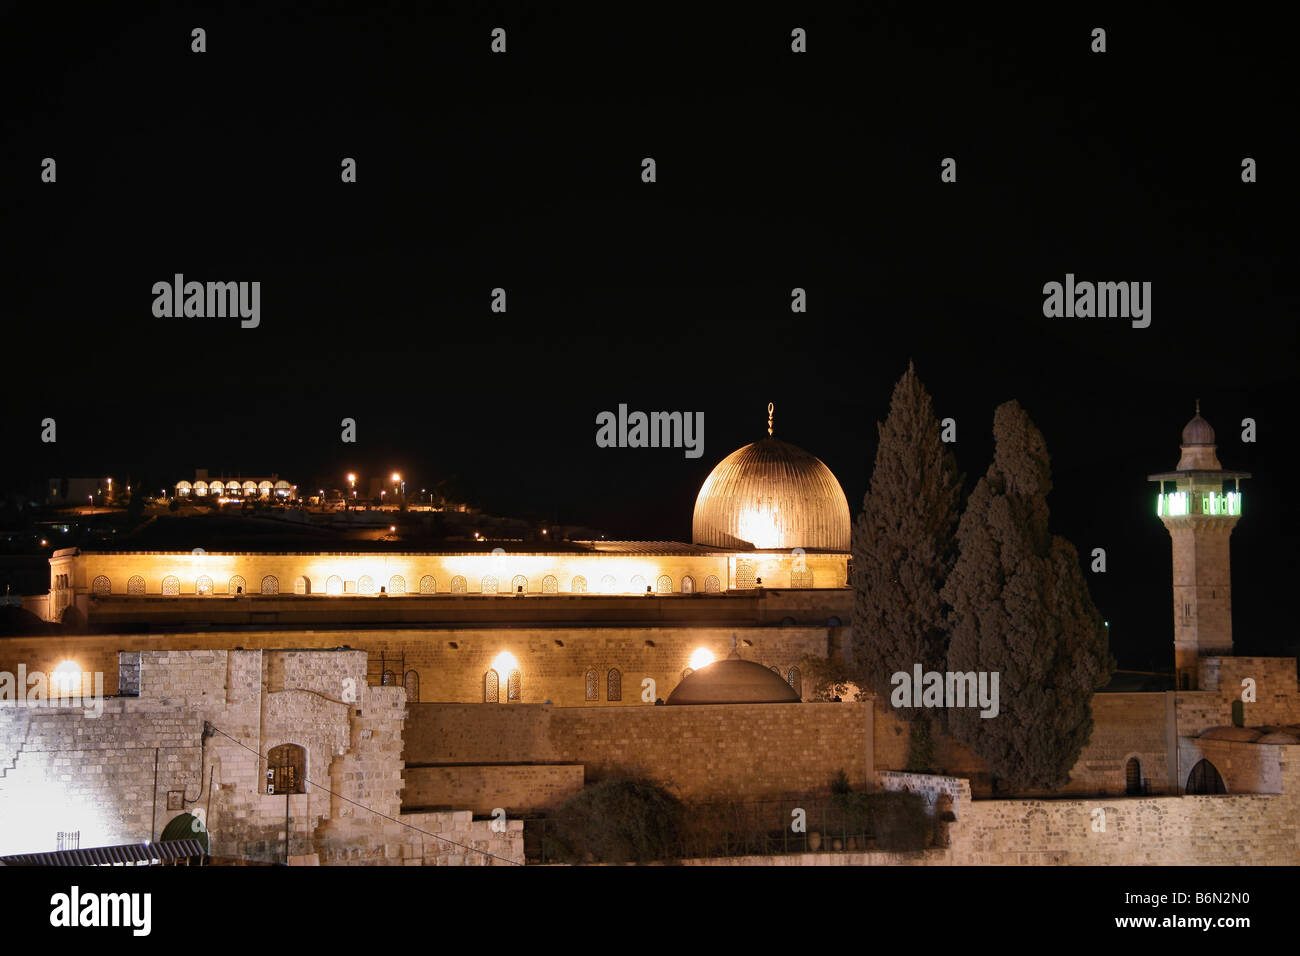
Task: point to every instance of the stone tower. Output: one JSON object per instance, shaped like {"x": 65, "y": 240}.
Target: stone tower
{"x": 1200, "y": 514}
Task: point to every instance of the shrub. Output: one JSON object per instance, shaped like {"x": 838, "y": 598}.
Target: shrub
{"x": 624, "y": 819}
{"x": 899, "y": 821}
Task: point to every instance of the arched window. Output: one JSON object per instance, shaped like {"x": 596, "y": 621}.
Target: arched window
{"x": 712, "y": 585}
{"x": 365, "y": 584}
{"x": 664, "y": 585}
{"x": 638, "y": 584}
{"x": 334, "y": 584}
{"x": 458, "y": 585}
{"x": 286, "y": 769}
{"x": 608, "y": 584}
{"x": 237, "y": 585}
{"x": 301, "y": 585}
{"x": 135, "y": 585}
{"x": 578, "y": 585}
{"x": 688, "y": 585}
{"x": 1133, "y": 777}
{"x": 200, "y": 487}
{"x": 217, "y": 488}
{"x": 203, "y": 585}
{"x": 388, "y": 679}
{"x": 550, "y": 585}
{"x": 1205, "y": 779}
{"x": 270, "y": 584}
{"x": 171, "y": 585}
{"x": 801, "y": 578}
{"x": 744, "y": 575}
{"x": 101, "y": 585}
{"x": 412, "y": 682}
{"x": 795, "y": 680}
{"x": 489, "y": 585}
{"x": 593, "y": 684}
{"x": 613, "y": 685}
{"x": 518, "y": 584}
{"x": 514, "y": 686}
{"x": 428, "y": 585}
{"x": 397, "y": 584}
{"x": 491, "y": 687}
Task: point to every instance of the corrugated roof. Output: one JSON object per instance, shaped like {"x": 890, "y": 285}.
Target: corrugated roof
{"x": 162, "y": 852}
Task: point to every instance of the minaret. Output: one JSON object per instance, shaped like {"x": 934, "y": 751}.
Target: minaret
{"x": 1200, "y": 515}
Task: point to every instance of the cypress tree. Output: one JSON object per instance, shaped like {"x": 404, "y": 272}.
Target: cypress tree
{"x": 903, "y": 545}
{"x": 1020, "y": 607}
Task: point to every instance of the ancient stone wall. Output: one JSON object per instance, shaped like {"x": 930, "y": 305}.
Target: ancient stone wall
{"x": 703, "y": 752}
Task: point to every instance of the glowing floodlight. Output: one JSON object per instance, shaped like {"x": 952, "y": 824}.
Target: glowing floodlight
{"x": 67, "y": 677}
{"x": 504, "y": 663}
{"x": 701, "y": 657}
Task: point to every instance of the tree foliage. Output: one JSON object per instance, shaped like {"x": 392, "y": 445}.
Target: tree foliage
{"x": 622, "y": 819}
{"x": 1020, "y": 608}
{"x": 903, "y": 545}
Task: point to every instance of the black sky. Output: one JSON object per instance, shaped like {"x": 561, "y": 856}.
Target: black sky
{"x": 775, "y": 171}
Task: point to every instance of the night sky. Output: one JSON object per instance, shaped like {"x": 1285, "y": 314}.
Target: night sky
{"x": 775, "y": 170}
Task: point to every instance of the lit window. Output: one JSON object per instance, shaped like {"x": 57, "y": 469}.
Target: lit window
{"x": 301, "y": 585}
{"x": 795, "y": 680}
{"x": 412, "y": 683}
{"x": 638, "y": 584}
{"x": 514, "y": 686}
{"x": 578, "y": 585}
{"x": 270, "y": 584}
{"x": 171, "y": 585}
{"x": 397, "y": 584}
{"x": 101, "y": 585}
{"x": 334, "y": 584}
{"x": 593, "y": 684}
{"x": 203, "y": 585}
{"x": 237, "y": 585}
{"x": 135, "y": 585}
{"x": 608, "y": 584}
{"x": 427, "y": 585}
{"x": 458, "y": 585}
{"x": 664, "y": 585}
{"x": 491, "y": 687}
{"x": 286, "y": 769}
{"x": 519, "y": 583}
{"x": 712, "y": 585}
{"x": 744, "y": 575}
{"x": 365, "y": 584}
{"x": 801, "y": 578}
{"x": 550, "y": 585}
{"x": 489, "y": 585}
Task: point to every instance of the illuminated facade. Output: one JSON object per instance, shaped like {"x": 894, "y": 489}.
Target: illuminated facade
{"x": 770, "y": 516}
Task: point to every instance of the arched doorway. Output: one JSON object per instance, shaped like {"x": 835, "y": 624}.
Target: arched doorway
{"x": 1205, "y": 779}
{"x": 186, "y": 826}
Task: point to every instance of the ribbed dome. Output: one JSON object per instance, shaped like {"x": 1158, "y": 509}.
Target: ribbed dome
{"x": 1198, "y": 432}
{"x": 733, "y": 681}
{"x": 771, "y": 494}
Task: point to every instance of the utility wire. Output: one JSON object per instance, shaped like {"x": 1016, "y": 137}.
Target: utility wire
{"x": 377, "y": 813}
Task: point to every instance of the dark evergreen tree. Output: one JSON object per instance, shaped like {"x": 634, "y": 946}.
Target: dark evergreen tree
{"x": 903, "y": 546}
{"x": 1020, "y": 608}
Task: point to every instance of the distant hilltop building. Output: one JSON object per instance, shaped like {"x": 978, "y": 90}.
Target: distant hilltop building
{"x": 272, "y": 488}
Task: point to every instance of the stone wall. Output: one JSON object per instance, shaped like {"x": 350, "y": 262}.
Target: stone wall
{"x": 1246, "y": 829}
{"x": 482, "y": 789}
{"x": 701, "y": 752}
{"x": 553, "y": 661}
{"x": 197, "y": 738}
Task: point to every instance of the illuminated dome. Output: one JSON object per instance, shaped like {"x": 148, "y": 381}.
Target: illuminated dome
{"x": 771, "y": 494}
{"x": 733, "y": 681}
{"x": 1198, "y": 445}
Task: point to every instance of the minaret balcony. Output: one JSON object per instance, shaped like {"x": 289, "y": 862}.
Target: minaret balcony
{"x": 1177, "y": 503}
